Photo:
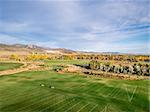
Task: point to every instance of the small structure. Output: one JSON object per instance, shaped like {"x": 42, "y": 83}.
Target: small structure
{"x": 42, "y": 85}
{"x": 51, "y": 87}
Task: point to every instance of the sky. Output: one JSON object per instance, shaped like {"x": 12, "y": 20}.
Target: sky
{"x": 84, "y": 25}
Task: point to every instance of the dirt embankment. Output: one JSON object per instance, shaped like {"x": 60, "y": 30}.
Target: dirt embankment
{"x": 76, "y": 69}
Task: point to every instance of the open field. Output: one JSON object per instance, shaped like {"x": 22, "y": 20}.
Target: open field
{"x": 74, "y": 56}
{"x": 6, "y": 66}
{"x": 65, "y": 62}
{"x": 49, "y": 91}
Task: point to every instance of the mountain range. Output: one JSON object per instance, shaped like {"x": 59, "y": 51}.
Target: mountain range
{"x": 30, "y": 48}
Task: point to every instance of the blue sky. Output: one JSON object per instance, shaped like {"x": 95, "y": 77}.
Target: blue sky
{"x": 89, "y": 25}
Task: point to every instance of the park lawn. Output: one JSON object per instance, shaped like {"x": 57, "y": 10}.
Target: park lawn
{"x": 22, "y": 92}
{"x": 6, "y": 66}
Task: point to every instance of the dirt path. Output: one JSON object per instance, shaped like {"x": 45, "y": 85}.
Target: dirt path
{"x": 27, "y": 66}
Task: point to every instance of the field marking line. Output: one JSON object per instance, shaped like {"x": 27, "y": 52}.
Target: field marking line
{"x": 63, "y": 105}
{"x": 86, "y": 89}
{"x": 105, "y": 109}
{"x": 59, "y": 102}
{"x": 83, "y": 107}
{"x": 73, "y": 106}
{"x": 53, "y": 104}
{"x": 24, "y": 92}
{"x": 7, "y": 92}
{"x": 117, "y": 92}
{"x": 48, "y": 99}
{"x": 45, "y": 101}
{"x": 114, "y": 92}
{"x": 25, "y": 107}
{"x": 100, "y": 88}
{"x": 103, "y": 94}
{"x": 90, "y": 88}
{"x": 32, "y": 94}
{"x": 33, "y": 102}
{"x": 109, "y": 94}
{"x": 93, "y": 108}
{"x": 130, "y": 97}
{"x": 94, "y": 88}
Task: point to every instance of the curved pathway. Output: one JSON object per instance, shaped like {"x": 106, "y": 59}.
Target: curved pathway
{"x": 27, "y": 66}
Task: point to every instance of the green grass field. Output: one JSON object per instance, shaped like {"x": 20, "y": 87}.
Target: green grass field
{"x": 5, "y": 66}
{"x": 72, "y": 92}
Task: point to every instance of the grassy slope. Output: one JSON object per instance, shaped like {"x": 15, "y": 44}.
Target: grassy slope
{"x": 22, "y": 93}
{"x": 6, "y": 66}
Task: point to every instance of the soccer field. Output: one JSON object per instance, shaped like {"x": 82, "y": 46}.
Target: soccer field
{"x": 49, "y": 91}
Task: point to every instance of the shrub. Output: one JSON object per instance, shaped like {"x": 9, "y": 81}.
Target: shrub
{"x": 138, "y": 69}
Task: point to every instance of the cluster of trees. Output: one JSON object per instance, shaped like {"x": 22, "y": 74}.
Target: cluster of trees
{"x": 130, "y": 58}
{"x": 15, "y": 57}
{"x": 138, "y": 69}
{"x": 36, "y": 56}
{"x": 29, "y": 57}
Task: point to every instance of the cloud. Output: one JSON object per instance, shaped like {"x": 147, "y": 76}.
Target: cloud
{"x": 4, "y": 38}
{"x": 13, "y": 26}
{"x": 92, "y": 25}
{"x": 51, "y": 44}
{"x": 109, "y": 47}
{"x": 8, "y": 39}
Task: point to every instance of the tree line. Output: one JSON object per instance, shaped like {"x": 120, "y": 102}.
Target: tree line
{"x": 36, "y": 56}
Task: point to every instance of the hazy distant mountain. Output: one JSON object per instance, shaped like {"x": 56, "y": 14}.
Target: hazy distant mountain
{"x": 20, "y": 47}
{"x": 30, "y": 48}
{"x": 100, "y": 52}
{"x": 33, "y": 48}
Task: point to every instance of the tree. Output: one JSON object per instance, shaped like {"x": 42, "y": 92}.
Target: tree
{"x": 15, "y": 57}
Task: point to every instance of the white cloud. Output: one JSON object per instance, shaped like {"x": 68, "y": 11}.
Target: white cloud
{"x": 96, "y": 25}
{"x": 4, "y": 38}
{"x": 88, "y": 37}
{"x": 111, "y": 47}
{"x": 51, "y": 44}
{"x": 13, "y": 26}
